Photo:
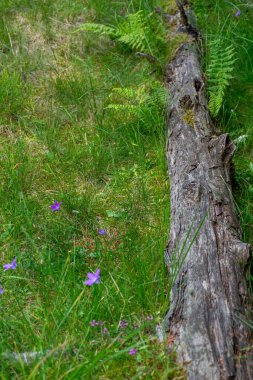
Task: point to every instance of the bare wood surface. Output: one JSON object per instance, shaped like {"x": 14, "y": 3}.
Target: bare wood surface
{"x": 209, "y": 300}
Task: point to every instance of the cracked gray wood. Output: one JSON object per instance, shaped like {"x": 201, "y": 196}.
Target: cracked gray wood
{"x": 209, "y": 299}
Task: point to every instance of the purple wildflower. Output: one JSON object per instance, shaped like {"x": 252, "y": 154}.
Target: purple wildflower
{"x": 133, "y": 351}
{"x": 93, "y": 278}
{"x": 237, "y": 14}
{"x": 96, "y": 323}
{"x": 123, "y": 324}
{"x": 56, "y": 206}
{"x": 1, "y": 289}
{"x": 136, "y": 327}
{"x": 105, "y": 331}
{"x": 12, "y": 265}
{"x": 101, "y": 231}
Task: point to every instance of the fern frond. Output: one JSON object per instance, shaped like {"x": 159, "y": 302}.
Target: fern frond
{"x": 215, "y": 102}
{"x": 99, "y": 29}
{"x": 143, "y": 103}
{"x": 135, "y": 41}
{"x": 219, "y": 72}
{"x": 136, "y": 95}
{"x": 130, "y": 108}
{"x": 158, "y": 97}
{"x": 125, "y": 92}
{"x": 137, "y": 31}
{"x": 133, "y": 30}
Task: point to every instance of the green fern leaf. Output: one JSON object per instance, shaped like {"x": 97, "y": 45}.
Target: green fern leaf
{"x": 123, "y": 107}
{"x": 99, "y": 29}
{"x": 133, "y": 30}
{"x": 219, "y": 73}
{"x": 143, "y": 103}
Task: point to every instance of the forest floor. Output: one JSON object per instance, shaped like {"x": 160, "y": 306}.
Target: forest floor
{"x": 82, "y": 123}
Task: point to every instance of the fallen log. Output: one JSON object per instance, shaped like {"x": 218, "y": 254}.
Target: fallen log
{"x": 209, "y": 299}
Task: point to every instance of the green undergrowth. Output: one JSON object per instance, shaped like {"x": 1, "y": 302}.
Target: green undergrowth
{"x": 219, "y": 22}
{"x": 62, "y": 140}
{"x": 82, "y": 122}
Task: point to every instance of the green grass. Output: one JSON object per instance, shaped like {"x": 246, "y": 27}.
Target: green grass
{"x": 59, "y": 141}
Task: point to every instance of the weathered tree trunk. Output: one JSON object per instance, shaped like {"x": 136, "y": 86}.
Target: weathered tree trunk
{"x": 209, "y": 299}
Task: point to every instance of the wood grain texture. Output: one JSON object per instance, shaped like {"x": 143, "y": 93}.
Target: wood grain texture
{"x": 209, "y": 299}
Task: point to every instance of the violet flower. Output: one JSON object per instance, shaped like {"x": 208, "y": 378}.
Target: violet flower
{"x": 12, "y": 265}
{"x": 133, "y": 351}
{"x": 93, "y": 278}
{"x": 237, "y": 14}
{"x": 101, "y": 231}
{"x": 94, "y": 323}
{"x": 56, "y": 206}
{"x": 123, "y": 324}
{"x": 1, "y": 289}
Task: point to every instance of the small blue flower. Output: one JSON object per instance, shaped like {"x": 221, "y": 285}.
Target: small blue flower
{"x": 133, "y": 351}
{"x": 56, "y": 206}
{"x": 12, "y": 265}
{"x": 93, "y": 278}
{"x": 101, "y": 231}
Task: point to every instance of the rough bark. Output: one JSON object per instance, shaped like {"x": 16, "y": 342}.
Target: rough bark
{"x": 209, "y": 299}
